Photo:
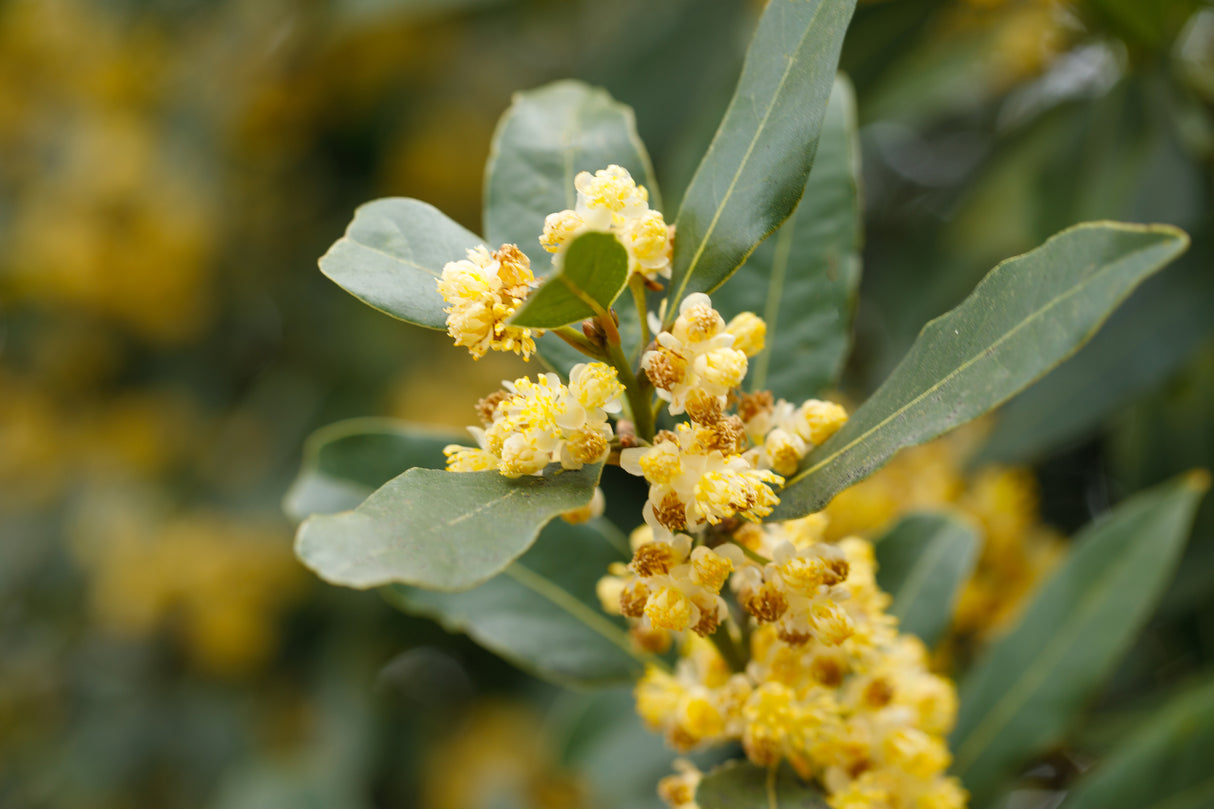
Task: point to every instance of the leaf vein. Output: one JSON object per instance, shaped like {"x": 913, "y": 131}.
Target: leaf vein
{"x": 901, "y": 411}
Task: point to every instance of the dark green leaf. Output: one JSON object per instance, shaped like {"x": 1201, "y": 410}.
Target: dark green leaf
{"x": 600, "y": 735}
{"x": 922, "y": 562}
{"x": 1026, "y": 316}
{"x": 541, "y": 613}
{"x": 1166, "y": 763}
{"x": 546, "y": 137}
{"x": 1171, "y": 430}
{"x": 742, "y": 785}
{"x": 392, "y": 256}
{"x": 594, "y": 270}
{"x": 1021, "y": 697}
{"x": 1141, "y": 346}
{"x": 345, "y": 462}
{"x": 802, "y": 281}
{"x": 755, "y": 169}
{"x": 441, "y": 530}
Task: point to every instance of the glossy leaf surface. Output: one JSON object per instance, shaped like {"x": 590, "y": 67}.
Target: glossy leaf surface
{"x": 1030, "y": 313}
{"x": 593, "y": 271}
{"x": 803, "y": 280}
{"x": 1142, "y": 345}
{"x": 392, "y": 256}
{"x": 742, "y": 785}
{"x": 755, "y": 170}
{"x": 1166, "y": 763}
{"x": 347, "y": 461}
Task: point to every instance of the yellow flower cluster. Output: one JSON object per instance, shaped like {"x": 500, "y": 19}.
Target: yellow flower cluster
{"x": 783, "y": 433}
{"x": 1017, "y": 549}
{"x": 531, "y": 424}
{"x": 610, "y": 201}
{"x": 810, "y": 669}
{"x": 850, "y": 702}
{"x": 704, "y": 471}
{"x": 695, "y": 364}
{"x": 482, "y": 292}
{"x": 697, "y": 477}
{"x": 150, "y": 571}
{"x": 669, "y": 586}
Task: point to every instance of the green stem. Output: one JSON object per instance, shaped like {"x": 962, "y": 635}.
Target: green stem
{"x": 578, "y": 340}
{"x": 637, "y": 284}
{"x": 728, "y": 648}
{"x": 642, "y": 416}
{"x": 754, "y": 557}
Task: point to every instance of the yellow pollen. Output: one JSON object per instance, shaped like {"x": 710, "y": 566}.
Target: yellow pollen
{"x": 669, "y": 608}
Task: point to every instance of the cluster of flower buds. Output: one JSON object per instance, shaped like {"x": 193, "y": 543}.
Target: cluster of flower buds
{"x": 811, "y": 669}
{"x": 482, "y": 291}
{"x": 858, "y": 711}
{"x": 784, "y": 433}
{"x": 695, "y": 364}
{"x": 532, "y": 423}
{"x": 801, "y": 590}
{"x": 700, "y": 473}
{"x": 697, "y": 477}
{"x": 610, "y": 201}
{"x": 671, "y": 586}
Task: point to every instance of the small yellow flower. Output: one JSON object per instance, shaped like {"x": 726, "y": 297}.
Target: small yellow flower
{"x": 749, "y": 333}
{"x": 649, "y": 242}
{"x": 609, "y": 197}
{"x": 820, "y": 420}
{"x": 669, "y": 608}
{"x": 561, "y": 228}
{"x": 662, "y": 463}
{"x": 482, "y": 292}
{"x": 725, "y": 367}
{"x": 679, "y": 790}
{"x": 468, "y": 459}
{"x": 596, "y": 384}
{"x": 710, "y": 568}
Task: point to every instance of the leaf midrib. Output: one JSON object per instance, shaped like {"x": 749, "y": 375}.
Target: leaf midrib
{"x": 919, "y": 572}
{"x": 1059, "y": 644}
{"x": 989, "y": 349}
{"x": 775, "y": 290}
{"x": 792, "y": 60}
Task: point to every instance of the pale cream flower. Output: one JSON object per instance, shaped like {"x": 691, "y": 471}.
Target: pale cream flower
{"x": 695, "y": 362}
{"x": 535, "y": 422}
{"x": 610, "y": 201}
{"x": 693, "y": 485}
{"x": 482, "y": 292}
{"x": 609, "y": 197}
